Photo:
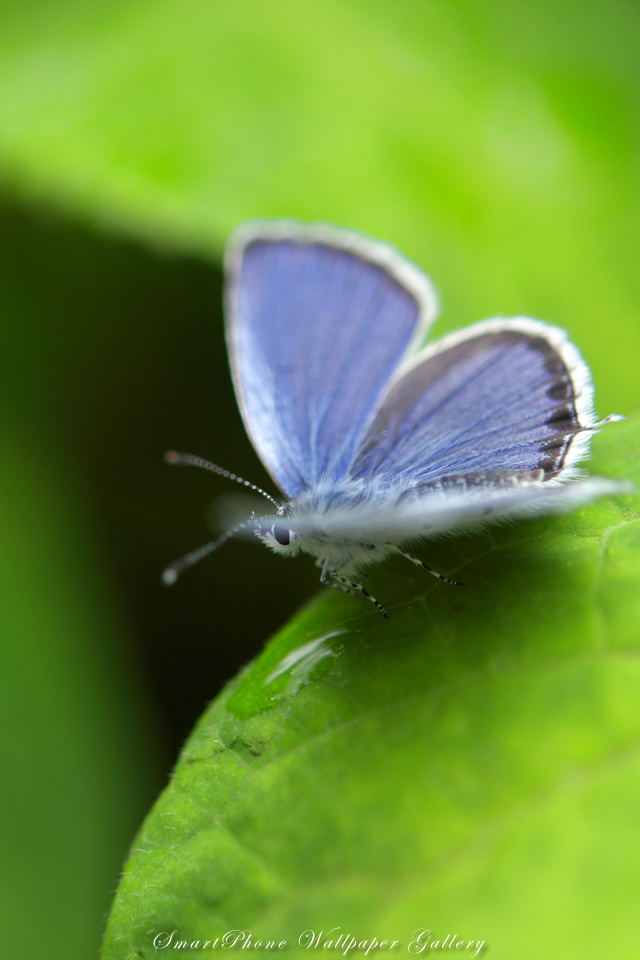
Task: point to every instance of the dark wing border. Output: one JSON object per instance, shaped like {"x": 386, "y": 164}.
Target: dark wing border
{"x": 579, "y": 400}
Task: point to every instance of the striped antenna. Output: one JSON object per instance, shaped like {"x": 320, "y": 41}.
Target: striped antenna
{"x": 189, "y": 460}
{"x": 178, "y": 567}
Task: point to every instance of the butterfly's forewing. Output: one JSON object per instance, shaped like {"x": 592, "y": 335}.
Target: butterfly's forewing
{"x": 318, "y": 320}
{"x": 504, "y": 395}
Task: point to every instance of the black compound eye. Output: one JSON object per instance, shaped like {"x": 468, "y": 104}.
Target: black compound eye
{"x": 282, "y": 535}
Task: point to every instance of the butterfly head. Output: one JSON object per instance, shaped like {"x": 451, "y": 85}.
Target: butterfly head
{"x": 278, "y": 537}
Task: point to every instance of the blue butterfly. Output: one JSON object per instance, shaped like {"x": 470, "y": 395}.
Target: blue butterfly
{"x": 374, "y": 441}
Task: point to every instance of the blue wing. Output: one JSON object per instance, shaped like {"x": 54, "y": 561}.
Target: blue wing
{"x": 503, "y": 395}
{"x": 318, "y": 320}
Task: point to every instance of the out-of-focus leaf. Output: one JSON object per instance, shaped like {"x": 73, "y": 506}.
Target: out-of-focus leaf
{"x": 71, "y": 749}
{"x": 466, "y": 766}
{"x": 496, "y": 145}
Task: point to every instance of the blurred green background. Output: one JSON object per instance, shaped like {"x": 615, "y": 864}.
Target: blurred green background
{"x": 496, "y": 144}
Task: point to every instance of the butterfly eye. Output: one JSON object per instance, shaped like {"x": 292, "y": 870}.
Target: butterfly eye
{"x": 282, "y": 535}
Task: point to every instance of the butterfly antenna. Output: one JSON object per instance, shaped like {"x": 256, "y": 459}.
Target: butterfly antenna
{"x": 189, "y": 460}
{"x": 178, "y": 567}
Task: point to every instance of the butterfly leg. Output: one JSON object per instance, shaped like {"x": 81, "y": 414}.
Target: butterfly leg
{"x": 322, "y": 563}
{"x": 336, "y": 586}
{"x": 349, "y": 586}
{"x": 434, "y": 573}
{"x": 323, "y": 578}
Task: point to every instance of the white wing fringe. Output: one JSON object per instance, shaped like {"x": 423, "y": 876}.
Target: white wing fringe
{"x": 438, "y": 513}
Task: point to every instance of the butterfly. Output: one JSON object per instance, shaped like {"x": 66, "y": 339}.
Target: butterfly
{"x": 374, "y": 440}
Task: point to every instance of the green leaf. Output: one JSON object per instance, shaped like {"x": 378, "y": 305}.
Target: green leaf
{"x": 496, "y": 148}
{"x": 466, "y": 766}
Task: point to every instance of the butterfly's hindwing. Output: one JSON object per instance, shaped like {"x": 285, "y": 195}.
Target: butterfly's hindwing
{"x": 505, "y": 395}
